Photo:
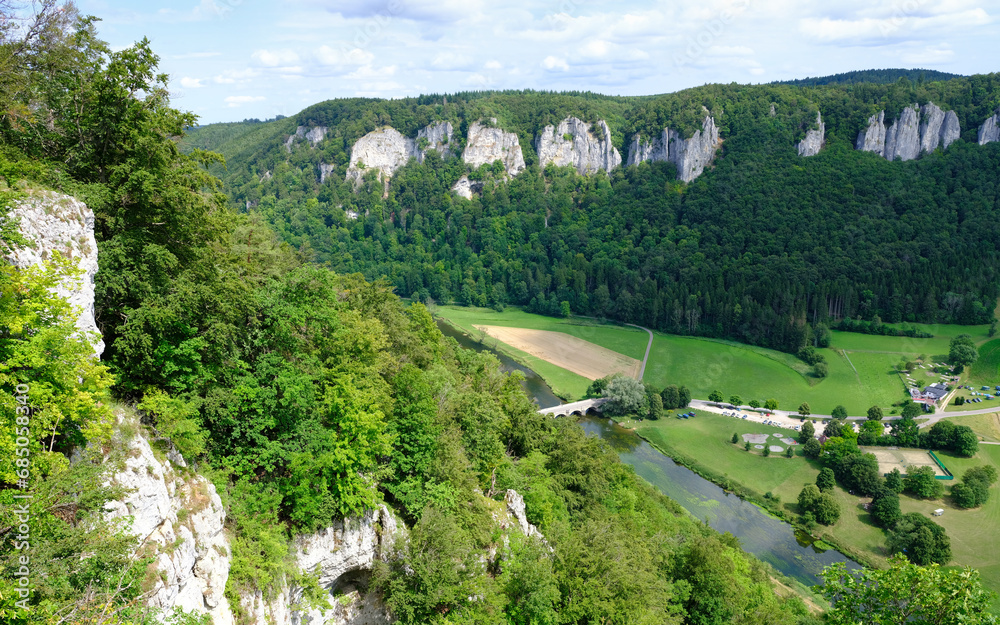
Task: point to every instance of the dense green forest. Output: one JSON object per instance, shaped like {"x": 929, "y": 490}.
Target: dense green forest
{"x": 305, "y": 394}
{"x": 761, "y": 248}
{"x": 872, "y": 75}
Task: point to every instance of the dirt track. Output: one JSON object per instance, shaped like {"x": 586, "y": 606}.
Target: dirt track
{"x": 576, "y": 355}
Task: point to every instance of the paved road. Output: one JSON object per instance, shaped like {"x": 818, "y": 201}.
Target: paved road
{"x": 642, "y": 369}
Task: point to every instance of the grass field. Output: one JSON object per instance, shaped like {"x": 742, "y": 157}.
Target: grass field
{"x": 708, "y": 437}
{"x": 986, "y": 369}
{"x": 569, "y": 352}
{"x": 935, "y": 347}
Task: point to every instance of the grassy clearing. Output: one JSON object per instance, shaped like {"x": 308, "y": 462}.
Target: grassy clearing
{"x": 986, "y": 370}
{"x": 986, "y": 426}
{"x": 708, "y": 437}
{"x": 935, "y": 347}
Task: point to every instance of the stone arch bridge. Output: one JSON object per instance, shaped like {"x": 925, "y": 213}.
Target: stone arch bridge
{"x": 578, "y": 407}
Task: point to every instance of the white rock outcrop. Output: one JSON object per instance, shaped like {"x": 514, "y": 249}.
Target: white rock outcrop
{"x": 181, "y": 519}
{"x": 487, "y": 144}
{"x": 384, "y": 150}
{"x": 990, "y": 130}
{"x": 515, "y": 506}
{"x": 690, "y": 156}
{"x": 467, "y": 188}
{"x": 343, "y": 556}
{"x": 813, "y": 141}
{"x": 52, "y": 222}
{"x": 313, "y": 135}
{"x": 438, "y": 136}
{"x": 325, "y": 169}
{"x": 916, "y": 131}
{"x": 573, "y": 142}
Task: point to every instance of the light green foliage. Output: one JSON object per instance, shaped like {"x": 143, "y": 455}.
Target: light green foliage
{"x": 736, "y": 400}
{"x": 912, "y": 409}
{"x": 626, "y": 396}
{"x": 754, "y": 403}
{"x": 894, "y": 481}
{"x": 826, "y": 480}
{"x": 906, "y": 593}
{"x": 530, "y": 585}
{"x": 178, "y": 421}
{"x": 973, "y": 491}
{"x": 823, "y": 507}
{"x": 906, "y": 432}
{"x": 715, "y": 396}
{"x": 804, "y": 409}
{"x": 807, "y": 432}
{"x": 771, "y": 404}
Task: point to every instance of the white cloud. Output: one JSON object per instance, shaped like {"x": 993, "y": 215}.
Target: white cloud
{"x": 930, "y": 55}
{"x": 191, "y": 83}
{"x": 196, "y": 55}
{"x": 369, "y": 72}
{"x": 230, "y": 77}
{"x": 555, "y": 63}
{"x": 452, "y": 61}
{"x": 493, "y": 65}
{"x": 344, "y": 56}
{"x": 239, "y": 100}
{"x": 269, "y": 58}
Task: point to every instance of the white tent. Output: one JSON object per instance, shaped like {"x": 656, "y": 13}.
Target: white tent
{"x": 939, "y": 512}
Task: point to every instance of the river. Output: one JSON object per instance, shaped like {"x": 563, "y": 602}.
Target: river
{"x": 768, "y": 538}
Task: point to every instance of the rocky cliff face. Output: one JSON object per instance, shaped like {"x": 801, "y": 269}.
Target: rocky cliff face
{"x": 343, "y": 555}
{"x": 313, "y": 135}
{"x": 324, "y": 171}
{"x": 181, "y": 519}
{"x": 467, "y": 188}
{"x": 487, "y": 144}
{"x": 573, "y": 143}
{"x": 384, "y": 150}
{"x": 915, "y": 132}
{"x": 990, "y": 130}
{"x": 813, "y": 141}
{"x": 53, "y": 222}
{"x": 438, "y": 136}
{"x": 691, "y": 156}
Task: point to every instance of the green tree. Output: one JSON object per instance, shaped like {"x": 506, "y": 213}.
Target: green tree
{"x": 826, "y": 480}
{"x": 736, "y": 400}
{"x": 812, "y": 449}
{"x": 670, "y": 397}
{"x": 766, "y": 451}
{"x": 906, "y": 593}
{"x": 655, "y": 405}
{"x": 839, "y": 412}
{"x": 715, "y": 396}
{"x": 859, "y": 473}
{"x": 965, "y": 442}
{"x": 875, "y": 413}
{"x": 596, "y": 388}
{"x": 626, "y": 396}
{"x": 736, "y": 438}
{"x": 834, "y": 427}
{"x": 885, "y": 509}
{"x": 962, "y": 350}
{"x": 821, "y": 369}
{"x": 807, "y": 432}
{"x": 826, "y": 509}
{"x": 920, "y": 481}
{"x": 746, "y": 446}
{"x": 684, "y": 397}
{"x": 912, "y": 409}
{"x": 804, "y": 409}
{"x": 922, "y": 540}
{"x": 906, "y": 431}
{"x": 808, "y": 497}
{"x": 753, "y": 403}
{"x": 790, "y": 452}
{"x": 894, "y": 481}
{"x": 771, "y": 404}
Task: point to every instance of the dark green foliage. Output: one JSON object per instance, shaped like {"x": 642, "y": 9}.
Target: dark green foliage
{"x": 920, "y": 482}
{"x": 736, "y": 400}
{"x": 839, "y": 412}
{"x": 736, "y": 438}
{"x": 875, "y": 413}
{"x": 834, "y": 427}
{"x": 655, "y": 405}
{"x": 766, "y": 451}
{"x": 746, "y": 445}
{"x": 894, "y": 481}
{"x": 684, "y": 397}
{"x": 941, "y": 435}
{"x": 920, "y": 539}
{"x": 859, "y": 473}
{"x": 973, "y": 491}
{"x": 596, "y": 388}
{"x": 807, "y": 431}
{"x": 906, "y": 432}
{"x": 804, "y": 409}
{"x": 965, "y": 442}
{"x": 811, "y": 449}
{"x": 912, "y": 409}
{"x": 878, "y": 76}
{"x": 885, "y": 509}
{"x": 826, "y": 480}
{"x": 823, "y": 507}
{"x": 715, "y": 396}
{"x": 670, "y": 397}
{"x": 962, "y": 350}
{"x": 790, "y": 452}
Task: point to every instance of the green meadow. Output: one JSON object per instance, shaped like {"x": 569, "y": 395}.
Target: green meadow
{"x": 708, "y": 437}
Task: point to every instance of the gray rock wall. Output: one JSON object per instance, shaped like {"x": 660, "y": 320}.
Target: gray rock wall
{"x": 384, "y": 150}
{"x": 690, "y": 156}
{"x": 313, "y": 135}
{"x": 583, "y": 150}
{"x": 52, "y": 222}
{"x": 990, "y": 130}
{"x": 917, "y": 131}
{"x": 438, "y": 137}
{"x": 487, "y": 144}
{"x": 813, "y": 141}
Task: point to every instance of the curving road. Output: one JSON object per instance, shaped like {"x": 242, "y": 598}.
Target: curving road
{"x": 649, "y": 345}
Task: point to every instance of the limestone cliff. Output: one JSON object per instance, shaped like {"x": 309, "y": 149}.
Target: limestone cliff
{"x": 990, "y": 130}
{"x": 55, "y": 222}
{"x": 690, "y": 156}
{"x": 573, "y": 142}
{"x": 467, "y": 188}
{"x": 915, "y": 132}
{"x": 813, "y": 141}
{"x": 487, "y": 144}
{"x": 325, "y": 170}
{"x": 438, "y": 136}
{"x": 384, "y": 150}
{"x": 313, "y": 135}
{"x": 178, "y": 518}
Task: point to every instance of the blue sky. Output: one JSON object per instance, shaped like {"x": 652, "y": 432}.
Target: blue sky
{"x": 233, "y": 59}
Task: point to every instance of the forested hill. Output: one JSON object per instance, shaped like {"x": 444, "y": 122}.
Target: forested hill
{"x": 882, "y": 76}
{"x": 761, "y": 247}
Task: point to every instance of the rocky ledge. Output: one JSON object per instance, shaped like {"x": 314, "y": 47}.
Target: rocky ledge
{"x": 690, "y": 156}
{"x": 573, "y": 142}
{"x": 915, "y": 132}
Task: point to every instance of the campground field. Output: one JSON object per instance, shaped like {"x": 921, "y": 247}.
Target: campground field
{"x": 707, "y": 438}
{"x": 861, "y": 367}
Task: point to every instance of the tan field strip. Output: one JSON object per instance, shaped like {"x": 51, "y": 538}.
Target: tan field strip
{"x": 562, "y": 350}
{"x": 889, "y": 459}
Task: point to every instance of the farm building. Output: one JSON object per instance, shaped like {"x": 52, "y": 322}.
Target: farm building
{"x": 930, "y": 395}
